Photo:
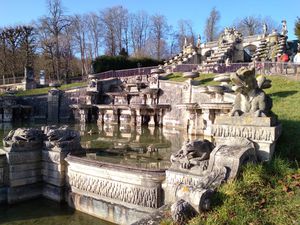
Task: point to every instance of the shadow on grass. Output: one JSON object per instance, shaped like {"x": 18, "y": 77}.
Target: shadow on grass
{"x": 288, "y": 145}
{"x": 283, "y": 94}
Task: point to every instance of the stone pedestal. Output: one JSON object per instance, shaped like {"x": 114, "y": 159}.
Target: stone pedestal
{"x": 263, "y": 131}
{"x": 24, "y": 164}
{"x": 54, "y": 174}
{"x": 60, "y": 143}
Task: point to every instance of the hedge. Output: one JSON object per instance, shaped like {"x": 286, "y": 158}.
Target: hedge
{"x": 106, "y": 63}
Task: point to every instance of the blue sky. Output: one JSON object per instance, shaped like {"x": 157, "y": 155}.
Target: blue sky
{"x": 23, "y": 11}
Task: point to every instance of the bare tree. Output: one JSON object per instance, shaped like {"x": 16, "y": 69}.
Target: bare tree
{"x": 211, "y": 25}
{"x": 115, "y": 22}
{"x": 55, "y": 24}
{"x": 159, "y": 28}
{"x": 80, "y": 30}
{"x": 139, "y": 31}
{"x": 28, "y": 44}
{"x": 185, "y": 31}
{"x": 95, "y": 32}
{"x": 13, "y": 39}
{"x": 249, "y": 25}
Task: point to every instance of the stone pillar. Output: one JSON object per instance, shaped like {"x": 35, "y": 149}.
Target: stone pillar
{"x": 53, "y": 105}
{"x": 60, "y": 142}
{"x": 23, "y": 150}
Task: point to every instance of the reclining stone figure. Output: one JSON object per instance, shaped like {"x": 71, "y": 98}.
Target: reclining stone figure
{"x": 250, "y": 98}
{"x": 191, "y": 153}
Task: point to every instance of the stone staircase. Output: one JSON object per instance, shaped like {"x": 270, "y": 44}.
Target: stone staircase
{"x": 184, "y": 57}
{"x": 219, "y": 56}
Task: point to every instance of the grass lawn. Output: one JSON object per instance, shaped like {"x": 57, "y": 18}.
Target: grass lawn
{"x": 267, "y": 193}
{"x": 40, "y": 91}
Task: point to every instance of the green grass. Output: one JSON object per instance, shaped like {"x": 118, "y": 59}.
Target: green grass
{"x": 267, "y": 193}
{"x": 41, "y": 91}
{"x": 205, "y": 79}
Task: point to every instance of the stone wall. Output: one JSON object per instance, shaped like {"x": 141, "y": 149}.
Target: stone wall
{"x": 39, "y": 105}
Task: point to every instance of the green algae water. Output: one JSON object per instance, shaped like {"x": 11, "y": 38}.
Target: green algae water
{"x": 45, "y": 212}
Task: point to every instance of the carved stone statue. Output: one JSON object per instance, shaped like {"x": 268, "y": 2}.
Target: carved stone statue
{"x": 250, "y": 98}
{"x": 60, "y": 134}
{"x": 199, "y": 41}
{"x": 265, "y": 29}
{"x": 191, "y": 153}
{"x": 23, "y": 139}
{"x": 284, "y": 30}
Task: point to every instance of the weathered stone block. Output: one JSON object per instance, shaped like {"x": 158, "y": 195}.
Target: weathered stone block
{"x": 23, "y": 167}
{"x": 14, "y": 175}
{"x": 22, "y": 193}
{"x": 23, "y": 157}
{"x": 55, "y": 157}
{"x": 105, "y": 210}
{"x": 25, "y": 181}
{"x": 54, "y": 166}
{"x": 57, "y": 181}
{"x": 3, "y": 195}
{"x": 53, "y": 192}
{"x": 53, "y": 173}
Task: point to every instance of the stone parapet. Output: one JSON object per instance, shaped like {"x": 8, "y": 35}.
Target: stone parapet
{"x": 129, "y": 187}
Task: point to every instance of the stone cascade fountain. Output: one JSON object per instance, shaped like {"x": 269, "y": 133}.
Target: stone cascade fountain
{"x": 50, "y": 161}
{"x": 229, "y": 46}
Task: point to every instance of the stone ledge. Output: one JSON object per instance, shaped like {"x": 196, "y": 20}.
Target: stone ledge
{"x": 246, "y": 120}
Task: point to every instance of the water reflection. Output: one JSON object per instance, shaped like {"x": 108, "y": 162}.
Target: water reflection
{"x": 143, "y": 147}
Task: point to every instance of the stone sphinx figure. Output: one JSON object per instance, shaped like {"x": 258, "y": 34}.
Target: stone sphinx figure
{"x": 192, "y": 153}
{"x": 62, "y": 138}
{"x": 23, "y": 139}
{"x": 250, "y": 98}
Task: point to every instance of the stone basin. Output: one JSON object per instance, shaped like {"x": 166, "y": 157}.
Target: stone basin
{"x": 190, "y": 75}
{"x": 156, "y": 71}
